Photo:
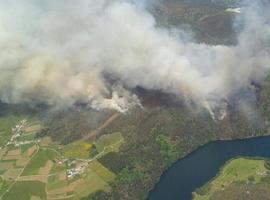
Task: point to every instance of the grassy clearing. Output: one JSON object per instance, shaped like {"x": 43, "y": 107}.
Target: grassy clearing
{"x": 238, "y": 191}
{"x": 77, "y": 150}
{"x": 25, "y": 147}
{"x": 54, "y": 182}
{"x": 109, "y": 140}
{"x": 58, "y": 168}
{"x": 240, "y": 170}
{"x": 12, "y": 173}
{"x": 103, "y": 172}
{"x": 25, "y": 189}
{"x": 6, "y": 123}
{"x": 4, "y": 185}
{"x": 35, "y": 198}
{"x": 39, "y": 160}
{"x": 46, "y": 141}
{"x": 93, "y": 183}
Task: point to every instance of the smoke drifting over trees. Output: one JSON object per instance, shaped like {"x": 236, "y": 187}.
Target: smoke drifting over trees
{"x": 58, "y": 52}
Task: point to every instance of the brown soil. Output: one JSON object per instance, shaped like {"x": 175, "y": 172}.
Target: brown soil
{"x": 41, "y": 178}
{"x": 14, "y": 152}
{"x": 22, "y": 161}
{"x": 6, "y": 165}
{"x": 34, "y": 128}
{"x": 94, "y": 133}
{"x": 62, "y": 176}
{"x": 12, "y": 173}
{"x": 16, "y": 157}
{"x": 31, "y": 150}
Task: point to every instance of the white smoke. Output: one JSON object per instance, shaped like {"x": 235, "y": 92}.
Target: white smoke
{"x": 57, "y": 52}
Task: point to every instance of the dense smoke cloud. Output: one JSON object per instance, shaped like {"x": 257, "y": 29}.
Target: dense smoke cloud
{"x": 58, "y": 51}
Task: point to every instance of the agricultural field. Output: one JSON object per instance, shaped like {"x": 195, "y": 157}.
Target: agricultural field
{"x": 240, "y": 178}
{"x": 38, "y": 161}
{"x": 57, "y": 181}
{"x": 78, "y": 149}
{"x": 33, "y": 127}
{"x": 25, "y": 190}
{"x": 102, "y": 171}
{"x": 43, "y": 169}
{"x": 109, "y": 140}
{"x": 95, "y": 178}
{"x": 27, "y": 137}
{"x": 92, "y": 183}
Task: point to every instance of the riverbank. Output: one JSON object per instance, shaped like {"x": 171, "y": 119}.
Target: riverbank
{"x": 242, "y": 172}
{"x": 203, "y": 164}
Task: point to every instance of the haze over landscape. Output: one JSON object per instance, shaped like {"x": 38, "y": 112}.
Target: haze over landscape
{"x": 59, "y": 53}
{"x": 134, "y": 99}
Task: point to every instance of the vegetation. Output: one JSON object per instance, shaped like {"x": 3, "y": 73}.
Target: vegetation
{"x": 93, "y": 183}
{"x": 6, "y": 123}
{"x": 54, "y": 182}
{"x": 4, "y": 185}
{"x": 70, "y": 125}
{"x": 25, "y": 147}
{"x": 267, "y": 164}
{"x": 27, "y": 137}
{"x": 154, "y": 137}
{"x": 24, "y": 190}
{"x": 243, "y": 192}
{"x": 78, "y": 149}
{"x": 103, "y": 172}
{"x": 237, "y": 173}
{"x": 167, "y": 149}
{"x": 108, "y": 140}
{"x": 113, "y": 162}
{"x": 38, "y": 161}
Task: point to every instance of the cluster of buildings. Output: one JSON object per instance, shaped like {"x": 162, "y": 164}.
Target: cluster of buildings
{"x": 79, "y": 169}
{"x": 19, "y": 143}
{"x": 16, "y": 130}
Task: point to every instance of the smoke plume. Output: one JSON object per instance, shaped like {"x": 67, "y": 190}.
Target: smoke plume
{"x": 58, "y": 52}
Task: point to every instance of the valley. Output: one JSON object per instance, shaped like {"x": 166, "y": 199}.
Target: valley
{"x": 88, "y": 151}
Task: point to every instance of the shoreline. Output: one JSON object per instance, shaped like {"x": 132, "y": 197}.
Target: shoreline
{"x": 203, "y": 146}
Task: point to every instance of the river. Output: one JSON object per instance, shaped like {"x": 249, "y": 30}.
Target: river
{"x": 196, "y": 169}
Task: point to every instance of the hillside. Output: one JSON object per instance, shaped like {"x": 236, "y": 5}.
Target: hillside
{"x": 82, "y": 153}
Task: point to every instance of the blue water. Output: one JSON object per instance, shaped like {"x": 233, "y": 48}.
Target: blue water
{"x": 193, "y": 171}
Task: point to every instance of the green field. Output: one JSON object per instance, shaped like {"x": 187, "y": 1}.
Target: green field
{"x": 103, "y": 172}
{"x": 25, "y": 189}
{"x": 25, "y": 147}
{"x": 38, "y": 161}
{"x": 109, "y": 140}
{"x": 4, "y": 185}
{"x": 27, "y": 137}
{"x": 77, "y": 150}
{"x": 237, "y": 173}
{"x": 54, "y": 182}
{"x": 93, "y": 183}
